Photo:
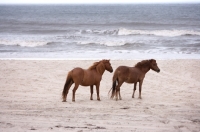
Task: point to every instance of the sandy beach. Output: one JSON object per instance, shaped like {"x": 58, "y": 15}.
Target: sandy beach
{"x": 31, "y": 99}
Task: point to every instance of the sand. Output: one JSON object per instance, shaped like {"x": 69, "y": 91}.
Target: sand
{"x": 31, "y": 99}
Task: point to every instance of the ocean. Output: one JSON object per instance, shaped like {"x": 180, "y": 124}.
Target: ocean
{"x": 124, "y": 31}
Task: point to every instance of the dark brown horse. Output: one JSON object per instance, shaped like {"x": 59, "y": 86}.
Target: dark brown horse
{"x": 91, "y": 76}
{"x": 132, "y": 75}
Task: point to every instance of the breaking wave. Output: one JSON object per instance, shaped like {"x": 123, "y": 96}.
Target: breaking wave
{"x": 23, "y": 43}
{"x": 165, "y": 33}
{"x": 124, "y": 32}
{"x": 113, "y": 43}
{"x": 106, "y": 43}
{"x": 118, "y": 37}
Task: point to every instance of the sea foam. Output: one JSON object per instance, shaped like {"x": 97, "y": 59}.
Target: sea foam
{"x": 165, "y": 33}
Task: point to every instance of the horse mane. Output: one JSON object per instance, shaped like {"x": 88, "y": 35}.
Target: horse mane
{"x": 94, "y": 65}
{"x": 97, "y": 63}
{"x": 142, "y": 64}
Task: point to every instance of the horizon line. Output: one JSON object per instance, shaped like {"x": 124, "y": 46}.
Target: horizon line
{"x": 99, "y": 3}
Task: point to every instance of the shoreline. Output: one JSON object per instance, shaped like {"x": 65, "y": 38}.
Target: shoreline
{"x": 92, "y": 59}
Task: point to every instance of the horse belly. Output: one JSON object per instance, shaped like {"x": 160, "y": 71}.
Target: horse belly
{"x": 132, "y": 79}
{"x": 88, "y": 81}
{"x": 84, "y": 83}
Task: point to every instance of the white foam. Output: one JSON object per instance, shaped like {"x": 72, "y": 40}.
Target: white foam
{"x": 91, "y": 55}
{"x": 113, "y": 43}
{"x": 24, "y": 40}
{"x": 96, "y": 31}
{"x": 23, "y": 43}
{"x": 165, "y": 33}
{"x": 104, "y": 42}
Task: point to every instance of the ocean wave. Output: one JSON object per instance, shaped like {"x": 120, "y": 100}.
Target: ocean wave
{"x": 24, "y": 43}
{"x": 111, "y": 43}
{"x": 164, "y": 33}
{"x": 106, "y": 43}
{"x": 125, "y": 32}
{"x": 100, "y": 32}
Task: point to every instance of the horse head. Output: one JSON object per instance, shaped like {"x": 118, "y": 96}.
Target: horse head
{"x": 153, "y": 65}
{"x": 107, "y": 65}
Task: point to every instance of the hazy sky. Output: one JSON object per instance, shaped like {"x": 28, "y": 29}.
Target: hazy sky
{"x": 93, "y": 1}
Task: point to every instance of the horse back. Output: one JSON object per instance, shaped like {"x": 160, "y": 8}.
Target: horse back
{"x": 128, "y": 74}
{"x": 123, "y": 70}
{"x": 85, "y": 77}
{"x": 121, "y": 73}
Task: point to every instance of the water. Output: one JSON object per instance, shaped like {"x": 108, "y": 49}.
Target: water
{"x": 170, "y": 31}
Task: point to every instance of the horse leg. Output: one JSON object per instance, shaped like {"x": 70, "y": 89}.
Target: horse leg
{"x": 74, "y": 91}
{"x": 120, "y": 98}
{"x": 91, "y": 91}
{"x": 97, "y": 89}
{"x": 118, "y": 91}
{"x": 140, "y": 89}
{"x": 135, "y": 84}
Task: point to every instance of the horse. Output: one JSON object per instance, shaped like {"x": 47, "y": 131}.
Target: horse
{"x": 91, "y": 76}
{"x": 131, "y": 75}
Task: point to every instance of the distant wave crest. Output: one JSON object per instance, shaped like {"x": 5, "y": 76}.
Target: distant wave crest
{"x": 106, "y": 43}
{"x": 112, "y": 43}
{"x": 164, "y": 33}
{"x": 23, "y": 43}
{"x": 124, "y": 32}
{"x": 103, "y": 32}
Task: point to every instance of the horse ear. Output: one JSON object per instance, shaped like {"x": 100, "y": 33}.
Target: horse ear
{"x": 151, "y": 60}
{"x": 104, "y": 60}
{"x": 107, "y": 60}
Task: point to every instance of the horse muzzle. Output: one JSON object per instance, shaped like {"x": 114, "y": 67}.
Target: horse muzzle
{"x": 158, "y": 70}
{"x": 111, "y": 70}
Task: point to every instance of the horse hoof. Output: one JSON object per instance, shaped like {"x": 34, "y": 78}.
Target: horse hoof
{"x": 139, "y": 97}
{"x": 98, "y": 99}
{"x": 64, "y": 101}
{"x": 73, "y": 100}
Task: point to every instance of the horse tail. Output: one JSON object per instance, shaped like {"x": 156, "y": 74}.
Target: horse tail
{"x": 115, "y": 80}
{"x": 66, "y": 86}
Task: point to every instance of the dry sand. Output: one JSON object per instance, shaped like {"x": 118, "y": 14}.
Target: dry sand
{"x": 31, "y": 99}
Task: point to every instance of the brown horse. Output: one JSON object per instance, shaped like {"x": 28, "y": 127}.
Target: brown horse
{"x": 132, "y": 75}
{"x": 91, "y": 76}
